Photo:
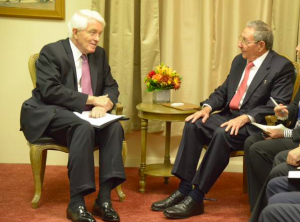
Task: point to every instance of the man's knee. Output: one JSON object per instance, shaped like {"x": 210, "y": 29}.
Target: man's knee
{"x": 268, "y": 213}
{"x": 83, "y": 128}
{"x": 254, "y": 150}
{"x": 251, "y": 140}
{"x": 192, "y": 126}
{"x": 116, "y": 129}
{"x": 280, "y": 157}
{"x": 220, "y": 131}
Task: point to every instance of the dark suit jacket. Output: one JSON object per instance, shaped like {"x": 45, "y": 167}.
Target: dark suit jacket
{"x": 274, "y": 78}
{"x": 57, "y": 86}
{"x": 293, "y": 109}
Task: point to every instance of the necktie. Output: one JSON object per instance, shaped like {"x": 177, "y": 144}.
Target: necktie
{"x": 234, "y": 103}
{"x": 86, "y": 83}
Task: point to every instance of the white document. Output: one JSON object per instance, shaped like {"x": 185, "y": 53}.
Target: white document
{"x": 98, "y": 122}
{"x": 265, "y": 127}
{"x": 294, "y": 174}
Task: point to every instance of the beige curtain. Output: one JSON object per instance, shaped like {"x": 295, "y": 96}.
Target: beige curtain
{"x": 198, "y": 38}
{"x": 131, "y": 40}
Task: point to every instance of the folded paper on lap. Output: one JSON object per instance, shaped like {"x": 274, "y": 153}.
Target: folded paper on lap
{"x": 266, "y": 127}
{"x": 99, "y": 123}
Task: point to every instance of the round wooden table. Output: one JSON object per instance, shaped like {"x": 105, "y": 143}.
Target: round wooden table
{"x": 151, "y": 111}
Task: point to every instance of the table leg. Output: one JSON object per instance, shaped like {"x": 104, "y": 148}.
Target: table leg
{"x": 167, "y": 160}
{"x": 144, "y": 126}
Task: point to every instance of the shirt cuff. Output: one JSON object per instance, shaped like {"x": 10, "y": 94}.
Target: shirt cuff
{"x": 252, "y": 120}
{"x": 282, "y": 118}
{"x": 288, "y": 133}
{"x": 205, "y": 104}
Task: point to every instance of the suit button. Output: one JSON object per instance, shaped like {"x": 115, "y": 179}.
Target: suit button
{"x": 54, "y": 111}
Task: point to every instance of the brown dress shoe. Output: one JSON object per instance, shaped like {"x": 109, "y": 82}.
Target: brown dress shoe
{"x": 106, "y": 212}
{"x": 173, "y": 199}
{"x": 187, "y": 208}
{"x": 80, "y": 215}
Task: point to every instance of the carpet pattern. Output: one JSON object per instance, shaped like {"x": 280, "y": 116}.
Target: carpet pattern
{"x": 16, "y": 192}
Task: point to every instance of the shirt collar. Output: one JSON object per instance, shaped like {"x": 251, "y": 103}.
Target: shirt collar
{"x": 75, "y": 50}
{"x": 257, "y": 62}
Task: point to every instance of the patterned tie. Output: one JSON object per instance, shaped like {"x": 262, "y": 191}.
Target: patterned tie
{"x": 234, "y": 103}
{"x": 86, "y": 83}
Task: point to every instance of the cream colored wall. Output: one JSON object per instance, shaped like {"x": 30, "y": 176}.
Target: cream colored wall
{"x": 20, "y": 38}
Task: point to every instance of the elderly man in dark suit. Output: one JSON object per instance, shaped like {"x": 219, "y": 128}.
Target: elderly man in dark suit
{"x": 74, "y": 75}
{"x": 255, "y": 75}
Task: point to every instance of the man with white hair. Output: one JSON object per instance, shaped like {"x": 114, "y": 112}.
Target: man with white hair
{"x": 73, "y": 75}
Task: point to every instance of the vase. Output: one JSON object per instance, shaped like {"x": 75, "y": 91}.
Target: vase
{"x": 162, "y": 96}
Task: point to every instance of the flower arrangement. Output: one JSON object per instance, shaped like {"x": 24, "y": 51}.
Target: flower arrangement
{"x": 162, "y": 78}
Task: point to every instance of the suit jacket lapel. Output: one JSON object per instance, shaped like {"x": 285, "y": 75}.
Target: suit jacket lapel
{"x": 68, "y": 49}
{"x": 237, "y": 77}
{"x": 259, "y": 76}
{"x": 93, "y": 71}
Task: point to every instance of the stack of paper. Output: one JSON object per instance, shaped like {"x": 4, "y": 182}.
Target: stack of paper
{"x": 99, "y": 122}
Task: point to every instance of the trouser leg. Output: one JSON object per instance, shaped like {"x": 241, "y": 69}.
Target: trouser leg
{"x": 248, "y": 143}
{"x": 280, "y": 213}
{"x": 283, "y": 201}
{"x": 217, "y": 157}
{"x": 79, "y": 137}
{"x": 110, "y": 141}
{"x": 279, "y": 169}
{"x": 260, "y": 159}
{"x": 279, "y": 185}
{"x": 194, "y": 137}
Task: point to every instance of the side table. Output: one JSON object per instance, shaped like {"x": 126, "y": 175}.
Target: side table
{"x": 151, "y": 111}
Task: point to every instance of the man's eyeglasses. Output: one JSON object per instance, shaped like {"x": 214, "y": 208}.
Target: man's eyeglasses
{"x": 93, "y": 33}
{"x": 246, "y": 42}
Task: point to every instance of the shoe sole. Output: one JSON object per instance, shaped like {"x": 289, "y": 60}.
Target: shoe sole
{"x": 95, "y": 213}
{"x": 157, "y": 209}
{"x": 180, "y": 217}
{"x": 69, "y": 217}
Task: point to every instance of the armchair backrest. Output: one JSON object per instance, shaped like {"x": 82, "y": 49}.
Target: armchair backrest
{"x": 32, "y": 70}
{"x": 297, "y": 79}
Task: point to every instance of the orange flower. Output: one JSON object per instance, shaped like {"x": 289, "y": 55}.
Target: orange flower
{"x": 157, "y": 77}
{"x": 177, "y": 82}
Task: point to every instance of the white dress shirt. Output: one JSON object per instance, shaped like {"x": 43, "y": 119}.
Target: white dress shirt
{"x": 78, "y": 64}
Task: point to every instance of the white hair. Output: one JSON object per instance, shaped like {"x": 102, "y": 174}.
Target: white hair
{"x": 81, "y": 18}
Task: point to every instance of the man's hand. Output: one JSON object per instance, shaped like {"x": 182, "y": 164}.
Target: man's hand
{"x": 202, "y": 113}
{"x": 274, "y": 133}
{"x": 293, "y": 157}
{"x": 281, "y": 111}
{"x": 97, "y": 112}
{"x": 101, "y": 101}
{"x": 235, "y": 124}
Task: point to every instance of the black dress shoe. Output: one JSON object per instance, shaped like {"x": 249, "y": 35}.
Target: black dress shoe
{"x": 173, "y": 199}
{"x": 187, "y": 208}
{"x": 80, "y": 215}
{"x": 106, "y": 212}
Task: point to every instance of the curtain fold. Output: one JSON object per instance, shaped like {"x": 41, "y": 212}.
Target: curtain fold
{"x": 198, "y": 38}
{"x": 131, "y": 40}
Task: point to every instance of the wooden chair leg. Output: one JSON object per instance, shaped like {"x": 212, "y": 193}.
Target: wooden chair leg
{"x": 36, "y": 161}
{"x": 120, "y": 193}
{"x": 43, "y": 166}
{"x": 245, "y": 188}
